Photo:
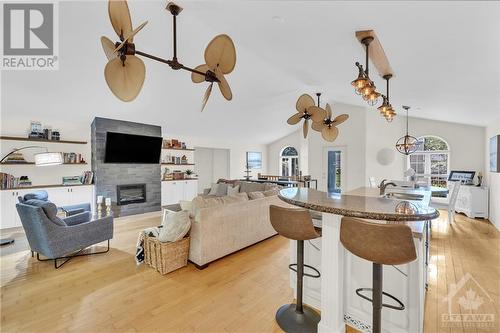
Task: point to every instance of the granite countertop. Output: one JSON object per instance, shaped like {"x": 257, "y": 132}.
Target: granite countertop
{"x": 362, "y": 203}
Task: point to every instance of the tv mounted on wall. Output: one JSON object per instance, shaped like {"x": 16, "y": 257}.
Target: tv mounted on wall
{"x": 130, "y": 148}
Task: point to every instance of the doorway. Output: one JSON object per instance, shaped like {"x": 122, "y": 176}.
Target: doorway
{"x": 334, "y": 169}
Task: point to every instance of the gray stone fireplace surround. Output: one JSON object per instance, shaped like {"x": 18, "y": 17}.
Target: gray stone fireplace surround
{"x": 107, "y": 176}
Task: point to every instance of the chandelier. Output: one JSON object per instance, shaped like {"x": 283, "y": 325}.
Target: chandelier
{"x": 363, "y": 84}
{"x": 407, "y": 144}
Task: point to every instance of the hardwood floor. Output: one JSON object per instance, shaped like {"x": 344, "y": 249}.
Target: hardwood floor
{"x": 239, "y": 293}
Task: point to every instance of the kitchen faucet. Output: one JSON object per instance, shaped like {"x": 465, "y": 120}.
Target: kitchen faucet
{"x": 383, "y": 185}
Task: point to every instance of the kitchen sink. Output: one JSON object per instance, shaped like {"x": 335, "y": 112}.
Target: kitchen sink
{"x": 403, "y": 196}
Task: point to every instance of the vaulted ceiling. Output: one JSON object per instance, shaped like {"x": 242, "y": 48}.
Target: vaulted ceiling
{"x": 444, "y": 54}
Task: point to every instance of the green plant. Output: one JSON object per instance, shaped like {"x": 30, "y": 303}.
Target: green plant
{"x": 189, "y": 172}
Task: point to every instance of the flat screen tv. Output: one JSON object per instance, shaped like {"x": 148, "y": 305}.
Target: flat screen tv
{"x": 130, "y": 148}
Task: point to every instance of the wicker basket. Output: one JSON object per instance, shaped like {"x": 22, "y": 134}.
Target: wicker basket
{"x": 166, "y": 257}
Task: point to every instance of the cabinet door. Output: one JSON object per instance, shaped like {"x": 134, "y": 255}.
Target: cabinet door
{"x": 169, "y": 193}
{"x": 179, "y": 191}
{"x": 81, "y": 194}
{"x": 60, "y": 196}
{"x": 190, "y": 189}
{"x": 8, "y": 211}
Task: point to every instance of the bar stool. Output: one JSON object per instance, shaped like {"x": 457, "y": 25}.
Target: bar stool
{"x": 296, "y": 224}
{"x": 382, "y": 244}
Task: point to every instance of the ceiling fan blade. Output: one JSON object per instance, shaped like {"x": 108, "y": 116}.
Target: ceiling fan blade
{"x": 328, "y": 111}
{"x": 197, "y": 78}
{"x": 223, "y": 85}
{"x": 294, "y": 119}
{"x": 130, "y": 36}
{"x": 305, "y": 128}
{"x": 221, "y": 53}
{"x": 304, "y": 102}
{"x": 108, "y": 47}
{"x": 125, "y": 81}
{"x": 119, "y": 16}
{"x": 340, "y": 119}
{"x": 206, "y": 96}
{"x": 329, "y": 133}
{"x": 317, "y": 126}
{"x": 317, "y": 114}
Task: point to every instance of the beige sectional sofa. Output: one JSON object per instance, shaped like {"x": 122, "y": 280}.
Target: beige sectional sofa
{"x": 223, "y": 225}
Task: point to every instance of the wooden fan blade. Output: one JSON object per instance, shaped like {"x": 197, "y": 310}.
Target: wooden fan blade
{"x": 130, "y": 36}
{"x": 223, "y": 85}
{"x": 221, "y": 53}
{"x": 329, "y": 133}
{"x": 125, "y": 80}
{"x": 317, "y": 126}
{"x": 294, "y": 119}
{"x": 108, "y": 47}
{"x": 197, "y": 78}
{"x": 305, "y": 128}
{"x": 317, "y": 114}
{"x": 340, "y": 119}
{"x": 206, "y": 96}
{"x": 304, "y": 102}
{"x": 328, "y": 111}
{"x": 119, "y": 16}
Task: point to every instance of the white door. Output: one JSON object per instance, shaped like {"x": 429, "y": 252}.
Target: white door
{"x": 171, "y": 192}
{"x": 334, "y": 177}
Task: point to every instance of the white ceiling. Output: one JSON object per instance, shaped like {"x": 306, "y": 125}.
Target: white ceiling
{"x": 445, "y": 56}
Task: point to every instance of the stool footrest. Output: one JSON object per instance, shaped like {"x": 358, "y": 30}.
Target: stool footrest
{"x": 395, "y": 307}
{"x": 318, "y": 274}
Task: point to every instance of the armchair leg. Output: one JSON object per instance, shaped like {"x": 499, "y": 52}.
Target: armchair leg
{"x": 68, "y": 258}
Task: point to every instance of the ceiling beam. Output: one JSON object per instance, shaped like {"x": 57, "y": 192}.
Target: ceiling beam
{"x": 376, "y": 54}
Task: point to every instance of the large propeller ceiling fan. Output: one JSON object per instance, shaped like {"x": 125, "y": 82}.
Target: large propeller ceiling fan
{"x": 125, "y": 71}
{"x": 328, "y": 127}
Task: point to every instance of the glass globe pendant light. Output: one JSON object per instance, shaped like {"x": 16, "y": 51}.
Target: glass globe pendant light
{"x": 407, "y": 144}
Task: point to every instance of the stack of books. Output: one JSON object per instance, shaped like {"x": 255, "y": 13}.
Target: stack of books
{"x": 72, "y": 158}
{"x": 87, "y": 177}
{"x": 8, "y": 181}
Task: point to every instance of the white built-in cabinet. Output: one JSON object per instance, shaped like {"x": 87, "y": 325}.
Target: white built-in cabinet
{"x": 174, "y": 191}
{"x": 472, "y": 200}
{"x": 60, "y": 196}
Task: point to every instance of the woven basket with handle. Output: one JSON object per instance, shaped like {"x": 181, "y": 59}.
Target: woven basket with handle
{"x": 166, "y": 257}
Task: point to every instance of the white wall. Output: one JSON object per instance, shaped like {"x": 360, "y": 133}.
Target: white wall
{"x": 493, "y": 178}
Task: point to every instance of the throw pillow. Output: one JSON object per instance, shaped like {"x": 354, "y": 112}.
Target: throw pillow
{"x": 48, "y": 208}
{"x": 251, "y": 187}
{"x": 232, "y": 190}
{"x": 255, "y": 195}
{"x": 175, "y": 226}
{"x": 39, "y": 195}
{"x": 213, "y": 189}
{"x": 222, "y": 189}
{"x": 270, "y": 193}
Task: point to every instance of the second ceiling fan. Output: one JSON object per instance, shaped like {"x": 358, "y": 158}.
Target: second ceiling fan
{"x": 125, "y": 72}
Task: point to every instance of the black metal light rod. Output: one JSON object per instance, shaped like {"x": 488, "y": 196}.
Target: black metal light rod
{"x": 175, "y": 37}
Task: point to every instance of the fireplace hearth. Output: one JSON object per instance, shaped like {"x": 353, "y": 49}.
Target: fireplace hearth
{"x": 130, "y": 193}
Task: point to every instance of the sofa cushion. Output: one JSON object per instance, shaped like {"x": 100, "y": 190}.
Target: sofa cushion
{"x": 270, "y": 186}
{"x": 38, "y": 195}
{"x": 251, "y": 187}
{"x": 218, "y": 190}
{"x": 255, "y": 195}
{"x": 175, "y": 226}
{"x": 227, "y": 181}
{"x": 270, "y": 193}
{"x": 48, "y": 208}
{"x": 232, "y": 190}
{"x": 186, "y": 205}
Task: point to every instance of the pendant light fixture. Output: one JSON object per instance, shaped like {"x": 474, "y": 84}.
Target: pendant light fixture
{"x": 386, "y": 109}
{"x": 363, "y": 84}
{"x": 407, "y": 144}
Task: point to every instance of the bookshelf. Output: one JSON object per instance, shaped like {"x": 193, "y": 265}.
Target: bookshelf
{"x": 185, "y": 149}
{"x": 33, "y": 163}
{"x": 19, "y": 138}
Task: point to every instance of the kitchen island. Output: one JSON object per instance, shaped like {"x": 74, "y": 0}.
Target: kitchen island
{"x": 342, "y": 272}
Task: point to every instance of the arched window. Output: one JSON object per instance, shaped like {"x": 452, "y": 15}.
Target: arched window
{"x": 289, "y": 162}
{"x": 431, "y": 161}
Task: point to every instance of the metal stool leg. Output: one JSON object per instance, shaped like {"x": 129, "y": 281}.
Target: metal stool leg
{"x": 377, "y": 298}
{"x": 298, "y": 318}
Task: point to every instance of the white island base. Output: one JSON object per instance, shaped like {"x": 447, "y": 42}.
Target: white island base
{"x": 342, "y": 273}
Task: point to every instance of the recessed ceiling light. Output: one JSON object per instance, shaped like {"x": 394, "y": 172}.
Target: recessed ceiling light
{"x": 278, "y": 19}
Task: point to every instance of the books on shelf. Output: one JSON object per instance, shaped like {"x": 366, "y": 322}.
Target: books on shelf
{"x": 9, "y": 181}
{"x": 72, "y": 158}
{"x": 87, "y": 177}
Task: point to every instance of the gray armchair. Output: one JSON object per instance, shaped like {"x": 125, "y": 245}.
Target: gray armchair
{"x": 43, "y": 195}
{"x": 65, "y": 238}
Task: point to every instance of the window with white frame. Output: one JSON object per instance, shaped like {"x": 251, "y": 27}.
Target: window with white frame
{"x": 431, "y": 161}
{"x": 289, "y": 162}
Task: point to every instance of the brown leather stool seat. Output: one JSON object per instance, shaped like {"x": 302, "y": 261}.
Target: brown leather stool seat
{"x": 296, "y": 224}
{"x": 382, "y": 244}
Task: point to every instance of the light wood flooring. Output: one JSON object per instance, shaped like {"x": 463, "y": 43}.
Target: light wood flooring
{"x": 239, "y": 293}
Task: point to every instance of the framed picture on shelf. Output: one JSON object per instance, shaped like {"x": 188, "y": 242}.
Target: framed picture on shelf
{"x": 254, "y": 160}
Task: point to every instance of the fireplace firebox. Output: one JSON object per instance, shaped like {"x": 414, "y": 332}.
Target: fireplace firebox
{"x": 130, "y": 193}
